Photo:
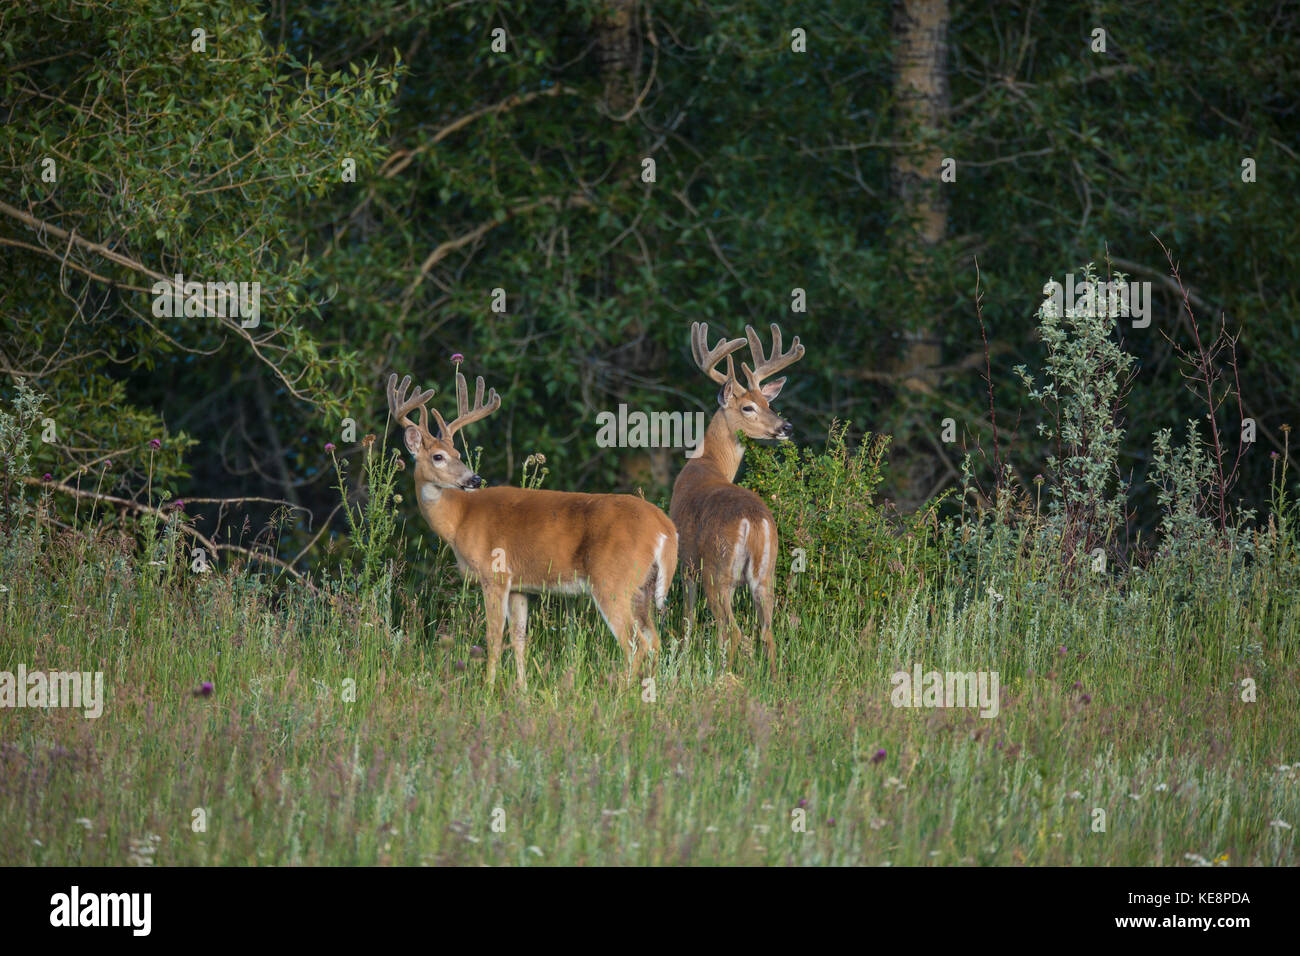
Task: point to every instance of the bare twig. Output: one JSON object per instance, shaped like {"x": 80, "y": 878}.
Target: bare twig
{"x": 400, "y": 159}
{"x": 98, "y": 496}
{"x": 134, "y": 265}
{"x": 1205, "y": 372}
{"x": 444, "y": 249}
{"x": 988, "y": 373}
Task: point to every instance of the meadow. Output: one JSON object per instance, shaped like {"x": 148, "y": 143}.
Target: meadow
{"x": 1146, "y": 710}
{"x": 225, "y": 224}
{"x": 333, "y": 734}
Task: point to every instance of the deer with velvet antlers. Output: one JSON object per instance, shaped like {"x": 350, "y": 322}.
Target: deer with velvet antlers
{"x": 727, "y": 534}
{"x": 619, "y": 549}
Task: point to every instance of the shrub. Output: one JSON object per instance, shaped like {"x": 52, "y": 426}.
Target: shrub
{"x": 1085, "y": 377}
{"x": 16, "y": 430}
{"x": 835, "y": 540}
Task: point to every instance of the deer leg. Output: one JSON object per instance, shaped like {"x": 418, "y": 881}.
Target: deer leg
{"x": 718, "y": 594}
{"x": 519, "y": 635}
{"x": 739, "y": 567}
{"x": 644, "y": 619}
{"x": 494, "y": 601}
{"x": 616, "y": 607}
{"x": 764, "y": 600}
{"x": 688, "y": 615}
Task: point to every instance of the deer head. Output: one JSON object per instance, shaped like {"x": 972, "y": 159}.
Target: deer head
{"x": 748, "y": 408}
{"x": 437, "y": 462}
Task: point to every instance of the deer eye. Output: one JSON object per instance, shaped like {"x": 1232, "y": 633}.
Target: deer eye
{"x": 748, "y": 409}
{"x": 438, "y": 457}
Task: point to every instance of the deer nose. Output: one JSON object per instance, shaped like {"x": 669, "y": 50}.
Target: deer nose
{"x": 475, "y": 481}
{"x": 785, "y": 431}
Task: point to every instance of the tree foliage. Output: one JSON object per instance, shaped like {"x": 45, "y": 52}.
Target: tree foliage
{"x": 523, "y": 169}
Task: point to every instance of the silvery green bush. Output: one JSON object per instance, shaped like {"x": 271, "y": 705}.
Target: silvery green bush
{"x": 1083, "y": 382}
{"x": 17, "y": 429}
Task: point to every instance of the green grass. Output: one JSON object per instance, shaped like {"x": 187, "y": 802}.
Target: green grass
{"x": 1127, "y": 701}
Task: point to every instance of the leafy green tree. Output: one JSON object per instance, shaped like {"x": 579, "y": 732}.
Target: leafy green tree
{"x": 390, "y": 171}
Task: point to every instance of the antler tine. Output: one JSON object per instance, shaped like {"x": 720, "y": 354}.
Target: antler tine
{"x": 707, "y": 359}
{"x": 442, "y": 424}
{"x": 400, "y": 405}
{"x": 773, "y": 362}
{"x": 465, "y": 414}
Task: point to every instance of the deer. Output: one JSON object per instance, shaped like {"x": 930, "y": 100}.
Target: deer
{"x": 727, "y": 534}
{"x": 618, "y": 549}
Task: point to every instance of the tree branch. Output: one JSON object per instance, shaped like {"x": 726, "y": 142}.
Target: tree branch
{"x": 442, "y": 250}
{"x": 134, "y": 265}
{"x": 402, "y": 158}
{"x": 213, "y": 546}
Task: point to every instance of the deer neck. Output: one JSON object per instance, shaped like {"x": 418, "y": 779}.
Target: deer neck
{"x": 720, "y": 452}
{"x": 442, "y": 508}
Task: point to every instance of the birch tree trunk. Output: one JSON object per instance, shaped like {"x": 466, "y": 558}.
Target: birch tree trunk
{"x": 922, "y": 99}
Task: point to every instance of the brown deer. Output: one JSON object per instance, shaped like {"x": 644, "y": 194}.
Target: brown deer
{"x": 727, "y": 532}
{"x": 619, "y": 549}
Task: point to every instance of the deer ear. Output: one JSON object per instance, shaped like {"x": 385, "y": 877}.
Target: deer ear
{"x": 725, "y": 393}
{"x": 412, "y": 436}
{"x": 772, "y": 389}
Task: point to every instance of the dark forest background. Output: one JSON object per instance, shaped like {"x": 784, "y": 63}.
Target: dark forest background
{"x": 133, "y": 148}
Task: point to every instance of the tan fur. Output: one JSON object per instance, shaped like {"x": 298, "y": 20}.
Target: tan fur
{"x": 518, "y": 541}
{"x": 514, "y": 542}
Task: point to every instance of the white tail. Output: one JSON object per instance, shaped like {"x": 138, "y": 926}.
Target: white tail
{"x": 619, "y": 549}
{"x": 728, "y": 535}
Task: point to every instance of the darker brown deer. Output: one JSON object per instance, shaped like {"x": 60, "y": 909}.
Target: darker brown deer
{"x": 727, "y": 535}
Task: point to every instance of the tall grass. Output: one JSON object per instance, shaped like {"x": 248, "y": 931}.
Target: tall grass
{"x": 1130, "y": 703}
{"x": 1146, "y": 715}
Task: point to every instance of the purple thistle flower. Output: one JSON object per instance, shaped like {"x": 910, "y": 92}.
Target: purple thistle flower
{"x": 47, "y": 477}
{"x": 108, "y": 463}
{"x": 1086, "y": 698}
{"x": 204, "y": 690}
{"x": 457, "y": 357}
{"x": 329, "y": 446}
{"x": 1061, "y": 650}
{"x": 155, "y": 443}
{"x": 803, "y": 802}
{"x": 180, "y": 505}
{"x": 1273, "y": 455}
{"x": 878, "y": 756}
